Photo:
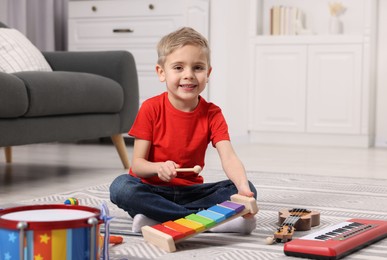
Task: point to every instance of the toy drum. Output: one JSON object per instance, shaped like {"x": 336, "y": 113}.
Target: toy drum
{"x": 49, "y": 232}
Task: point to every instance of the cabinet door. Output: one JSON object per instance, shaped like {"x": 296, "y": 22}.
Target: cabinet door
{"x": 278, "y": 89}
{"x": 334, "y": 89}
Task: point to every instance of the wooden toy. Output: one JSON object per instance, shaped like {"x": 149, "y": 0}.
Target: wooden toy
{"x": 293, "y": 219}
{"x": 197, "y": 169}
{"x": 167, "y": 234}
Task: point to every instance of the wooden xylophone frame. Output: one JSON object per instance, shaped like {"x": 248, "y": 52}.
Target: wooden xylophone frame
{"x": 166, "y": 242}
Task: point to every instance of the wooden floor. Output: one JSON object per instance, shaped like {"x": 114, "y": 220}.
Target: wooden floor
{"x": 43, "y": 169}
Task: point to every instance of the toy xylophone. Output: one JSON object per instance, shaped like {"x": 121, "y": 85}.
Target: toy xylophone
{"x": 167, "y": 234}
{"x": 339, "y": 240}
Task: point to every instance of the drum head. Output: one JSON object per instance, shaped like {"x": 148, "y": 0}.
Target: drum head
{"x": 48, "y": 216}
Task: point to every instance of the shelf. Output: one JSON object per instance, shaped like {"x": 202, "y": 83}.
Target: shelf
{"x": 315, "y": 16}
{"x": 325, "y": 79}
{"x": 308, "y": 39}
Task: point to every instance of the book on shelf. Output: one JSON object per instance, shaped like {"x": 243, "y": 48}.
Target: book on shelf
{"x": 275, "y": 20}
{"x": 285, "y": 20}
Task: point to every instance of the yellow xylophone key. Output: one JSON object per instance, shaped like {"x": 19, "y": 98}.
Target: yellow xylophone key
{"x": 191, "y": 224}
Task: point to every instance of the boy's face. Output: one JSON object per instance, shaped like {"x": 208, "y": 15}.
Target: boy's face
{"x": 186, "y": 73}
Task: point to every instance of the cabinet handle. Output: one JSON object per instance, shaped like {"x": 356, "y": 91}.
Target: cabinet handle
{"x": 94, "y": 8}
{"x": 123, "y": 30}
{"x": 151, "y": 6}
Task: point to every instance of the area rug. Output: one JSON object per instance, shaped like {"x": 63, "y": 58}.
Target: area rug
{"x": 337, "y": 199}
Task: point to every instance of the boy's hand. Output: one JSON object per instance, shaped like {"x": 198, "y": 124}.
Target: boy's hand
{"x": 245, "y": 191}
{"x": 167, "y": 171}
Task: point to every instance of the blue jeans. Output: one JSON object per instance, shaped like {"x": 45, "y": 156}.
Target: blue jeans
{"x": 164, "y": 203}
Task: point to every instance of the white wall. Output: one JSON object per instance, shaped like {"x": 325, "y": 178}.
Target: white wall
{"x": 381, "y": 80}
{"x": 3, "y": 10}
{"x": 229, "y": 80}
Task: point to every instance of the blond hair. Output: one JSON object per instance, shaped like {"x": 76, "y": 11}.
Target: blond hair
{"x": 178, "y": 39}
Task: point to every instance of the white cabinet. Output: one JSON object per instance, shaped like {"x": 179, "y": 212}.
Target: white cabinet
{"x": 279, "y": 90}
{"x": 312, "y": 89}
{"x": 334, "y": 89}
{"x": 135, "y": 26}
{"x": 307, "y": 88}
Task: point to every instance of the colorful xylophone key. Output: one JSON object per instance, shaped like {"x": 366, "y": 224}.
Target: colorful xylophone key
{"x": 167, "y": 234}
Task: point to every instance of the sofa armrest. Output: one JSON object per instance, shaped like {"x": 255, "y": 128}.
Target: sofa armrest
{"x": 13, "y": 97}
{"x": 116, "y": 65}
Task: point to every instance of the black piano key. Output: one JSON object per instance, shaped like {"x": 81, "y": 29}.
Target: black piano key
{"x": 323, "y": 237}
{"x": 355, "y": 224}
{"x": 339, "y": 230}
{"x": 348, "y": 227}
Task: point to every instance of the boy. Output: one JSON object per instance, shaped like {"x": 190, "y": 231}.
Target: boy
{"x": 173, "y": 130}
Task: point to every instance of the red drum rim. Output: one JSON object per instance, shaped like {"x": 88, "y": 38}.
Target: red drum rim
{"x": 48, "y": 225}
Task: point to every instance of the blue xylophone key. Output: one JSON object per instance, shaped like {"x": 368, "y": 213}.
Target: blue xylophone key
{"x": 227, "y": 212}
{"x": 212, "y": 215}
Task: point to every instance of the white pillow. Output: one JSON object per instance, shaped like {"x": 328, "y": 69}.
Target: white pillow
{"x": 17, "y": 53}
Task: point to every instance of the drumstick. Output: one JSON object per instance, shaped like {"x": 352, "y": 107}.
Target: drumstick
{"x": 196, "y": 169}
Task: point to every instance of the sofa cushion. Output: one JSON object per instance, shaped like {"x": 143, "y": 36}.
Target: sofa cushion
{"x": 19, "y": 54}
{"x": 60, "y": 93}
{"x": 13, "y": 96}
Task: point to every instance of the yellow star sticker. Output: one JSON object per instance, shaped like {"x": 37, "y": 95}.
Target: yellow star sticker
{"x": 44, "y": 238}
{"x": 38, "y": 257}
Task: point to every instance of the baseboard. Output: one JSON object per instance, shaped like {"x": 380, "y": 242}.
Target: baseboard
{"x": 361, "y": 141}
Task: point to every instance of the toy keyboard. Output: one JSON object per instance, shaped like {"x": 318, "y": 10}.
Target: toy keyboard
{"x": 339, "y": 240}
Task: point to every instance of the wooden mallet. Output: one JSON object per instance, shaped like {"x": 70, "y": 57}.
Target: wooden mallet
{"x": 196, "y": 169}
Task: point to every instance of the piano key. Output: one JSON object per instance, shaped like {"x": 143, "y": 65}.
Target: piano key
{"x": 355, "y": 224}
{"x": 323, "y": 237}
{"x": 348, "y": 227}
{"x": 325, "y": 231}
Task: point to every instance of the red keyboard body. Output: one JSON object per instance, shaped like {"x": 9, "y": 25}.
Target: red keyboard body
{"x": 337, "y": 241}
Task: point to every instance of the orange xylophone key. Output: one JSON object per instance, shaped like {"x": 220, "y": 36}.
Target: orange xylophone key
{"x": 173, "y": 233}
{"x": 179, "y": 228}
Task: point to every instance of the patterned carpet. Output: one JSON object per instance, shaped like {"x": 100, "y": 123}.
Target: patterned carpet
{"x": 337, "y": 199}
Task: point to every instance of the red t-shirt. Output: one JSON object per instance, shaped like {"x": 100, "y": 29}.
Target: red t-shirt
{"x": 179, "y": 136}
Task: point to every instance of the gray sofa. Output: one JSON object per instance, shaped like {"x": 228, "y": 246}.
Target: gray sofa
{"x": 87, "y": 95}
